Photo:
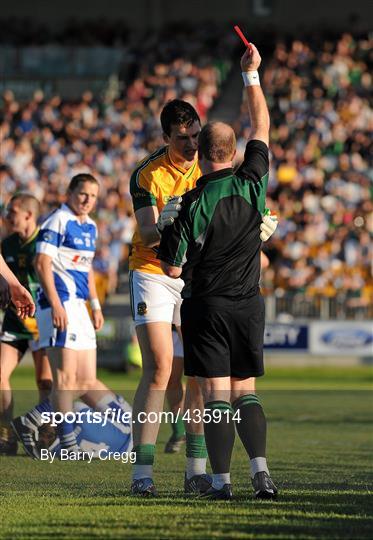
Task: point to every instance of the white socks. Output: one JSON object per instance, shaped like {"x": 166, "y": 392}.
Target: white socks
{"x": 195, "y": 466}
{"x": 218, "y": 480}
{"x": 142, "y": 471}
{"x": 258, "y": 464}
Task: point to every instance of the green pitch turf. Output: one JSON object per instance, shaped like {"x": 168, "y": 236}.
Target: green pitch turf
{"x": 320, "y": 454}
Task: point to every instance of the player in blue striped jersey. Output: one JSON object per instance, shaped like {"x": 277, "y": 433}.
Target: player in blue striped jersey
{"x": 70, "y": 243}
{"x": 65, "y": 250}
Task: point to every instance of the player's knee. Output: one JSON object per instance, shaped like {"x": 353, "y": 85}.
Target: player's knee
{"x": 159, "y": 366}
{"x": 159, "y": 375}
{"x": 4, "y": 383}
{"x": 5, "y": 374}
{"x": 193, "y": 388}
{"x": 65, "y": 381}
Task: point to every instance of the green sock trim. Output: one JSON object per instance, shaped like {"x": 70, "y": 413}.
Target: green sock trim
{"x": 248, "y": 399}
{"x": 195, "y": 446}
{"x": 144, "y": 454}
{"x": 178, "y": 429}
{"x": 220, "y": 405}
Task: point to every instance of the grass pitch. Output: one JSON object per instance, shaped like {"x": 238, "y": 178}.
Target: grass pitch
{"x": 320, "y": 452}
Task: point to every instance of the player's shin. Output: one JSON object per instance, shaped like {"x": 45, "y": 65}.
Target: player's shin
{"x": 220, "y": 435}
{"x": 252, "y": 430}
{"x": 196, "y": 451}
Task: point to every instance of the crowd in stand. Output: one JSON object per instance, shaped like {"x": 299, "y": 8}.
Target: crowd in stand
{"x": 321, "y": 126}
{"x": 321, "y": 169}
{"x": 45, "y": 142}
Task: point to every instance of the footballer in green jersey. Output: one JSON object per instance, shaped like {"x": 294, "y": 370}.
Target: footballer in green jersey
{"x": 18, "y": 334}
{"x": 19, "y": 253}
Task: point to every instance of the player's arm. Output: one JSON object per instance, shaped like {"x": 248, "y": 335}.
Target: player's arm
{"x": 255, "y": 167}
{"x": 264, "y": 261}
{"x": 4, "y": 293}
{"x": 11, "y": 289}
{"x": 98, "y": 318}
{"x": 147, "y": 222}
{"x": 171, "y": 271}
{"x": 43, "y": 266}
{"x": 49, "y": 241}
{"x": 260, "y": 122}
{"x": 151, "y": 223}
{"x": 145, "y": 207}
{"x": 6, "y": 272}
{"x": 258, "y": 110}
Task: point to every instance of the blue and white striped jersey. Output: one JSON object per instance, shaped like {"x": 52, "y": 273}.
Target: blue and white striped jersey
{"x": 71, "y": 245}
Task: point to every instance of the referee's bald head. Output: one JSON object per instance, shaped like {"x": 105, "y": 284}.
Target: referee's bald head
{"x": 217, "y": 142}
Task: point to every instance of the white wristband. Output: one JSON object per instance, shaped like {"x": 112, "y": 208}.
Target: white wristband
{"x": 95, "y": 304}
{"x": 251, "y": 78}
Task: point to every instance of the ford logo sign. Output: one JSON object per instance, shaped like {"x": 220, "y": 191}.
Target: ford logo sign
{"x": 347, "y": 338}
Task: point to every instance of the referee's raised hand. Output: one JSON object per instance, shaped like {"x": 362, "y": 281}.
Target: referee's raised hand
{"x": 251, "y": 59}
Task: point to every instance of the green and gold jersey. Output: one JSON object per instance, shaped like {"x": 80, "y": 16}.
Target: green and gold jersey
{"x": 153, "y": 182}
{"x": 19, "y": 255}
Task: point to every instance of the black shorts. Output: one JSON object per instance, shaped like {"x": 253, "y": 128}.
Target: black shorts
{"x": 223, "y": 338}
{"x": 15, "y": 333}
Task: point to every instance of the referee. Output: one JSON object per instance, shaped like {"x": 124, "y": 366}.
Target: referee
{"x": 214, "y": 246}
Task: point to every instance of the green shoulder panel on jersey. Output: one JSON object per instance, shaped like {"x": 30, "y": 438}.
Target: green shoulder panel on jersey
{"x": 257, "y": 193}
{"x": 140, "y": 197}
{"x": 216, "y": 190}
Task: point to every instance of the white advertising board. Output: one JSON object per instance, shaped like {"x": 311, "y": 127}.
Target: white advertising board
{"x": 341, "y": 338}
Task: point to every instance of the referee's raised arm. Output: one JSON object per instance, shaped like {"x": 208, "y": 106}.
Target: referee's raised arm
{"x": 258, "y": 110}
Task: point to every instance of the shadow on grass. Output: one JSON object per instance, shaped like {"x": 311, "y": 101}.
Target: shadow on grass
{"x": 109, "y": 511}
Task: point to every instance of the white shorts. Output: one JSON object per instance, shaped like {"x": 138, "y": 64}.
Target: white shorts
{"x": 155, "y": 298}
{"x": 80, "y": 334}
{"x": 178, "y": 344}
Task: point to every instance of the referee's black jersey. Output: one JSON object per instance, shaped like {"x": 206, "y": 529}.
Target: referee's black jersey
{"x": 216, "y": 236}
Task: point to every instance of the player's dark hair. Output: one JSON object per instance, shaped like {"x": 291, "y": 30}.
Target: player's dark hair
{"x": 179, "y": 113}
{"x": 80, "y": 179}
{"x": 27, "y": 202}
